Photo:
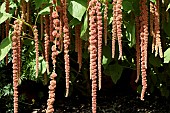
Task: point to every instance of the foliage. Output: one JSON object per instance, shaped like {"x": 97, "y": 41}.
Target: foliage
{"x": 158, "y": 69}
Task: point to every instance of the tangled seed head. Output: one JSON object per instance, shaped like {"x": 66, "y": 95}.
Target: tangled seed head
{"x": 36, "y": 48}
{"x": 144, "y": 42}
{"x": 15, "y": 37}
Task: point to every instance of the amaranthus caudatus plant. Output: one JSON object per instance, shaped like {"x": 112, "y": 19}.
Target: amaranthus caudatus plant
{"x": 107, "y": 29}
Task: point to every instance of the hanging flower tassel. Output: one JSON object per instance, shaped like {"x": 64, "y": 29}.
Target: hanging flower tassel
{"x": 137, "y": 48}
{"x": 119, "y": 24}
{"x": 99, "y": 33}
{"x": 36, "y": 48}
{"x": 114, "y": 28}
{"x": 144, "y": 42}
{"x": 47, "y": 36}
{"x": 105, "y": 21}
{"x": 51, "y": 99}
{"x": 15, "y": 37}
{"x": 66, "y": 46}
{"x": 93, "y": 50}
{"x": 158, "y": 47}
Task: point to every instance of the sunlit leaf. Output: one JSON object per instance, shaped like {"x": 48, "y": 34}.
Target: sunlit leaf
{"x": 5, "y": 47}
{"x": 84, "y": 28}
{"x": 167, "y": 56}
{"x": 4, "y": 17}
{"x": 42, "y": 65}
{"x": 77, "y": 9}
{"x": 45, "y": 11}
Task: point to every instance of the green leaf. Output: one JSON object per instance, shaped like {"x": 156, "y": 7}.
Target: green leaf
{"x": 154, "y": 1}
{"x": 74, "y": 22}
{"x": 167, "y": 27}
{"x": 3, "y": 8}
{"x": 44, "y": 11}
{"x": 5, "y": 47}
{"x": 167, "y": 56}
{"x": 127, "y": 6}
{"x": 168, "y": 7}
{"x": 4, "y": 17}
{"x": 38, "y": 3}
{"x": 115, "y": 71}
{"x": 84, "y": 27}
{"x": 42, "y": 65}
{"x": 77, "y": 9}
{"x": 155, "y": 61}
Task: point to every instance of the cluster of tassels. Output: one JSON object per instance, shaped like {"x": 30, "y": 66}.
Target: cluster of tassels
{"x": 116, "y": 27}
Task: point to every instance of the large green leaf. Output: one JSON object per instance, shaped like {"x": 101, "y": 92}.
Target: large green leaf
{"x": 77, "y": 9}
{"x": 84, "y": 27}
{"x": 115, "y": 71}
{"x": 5, "y": 47}
{"x": 74, "y": 22}
{"x": 4, "y": 17}
{"x": 127, "y": 6}
{"x": 38, "y": 3}
{"x": 167, "y": 56}
{"x": 3, "y": 8}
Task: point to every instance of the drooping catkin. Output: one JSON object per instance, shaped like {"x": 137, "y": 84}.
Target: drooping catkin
{"x": 19, "y": 48}
{"x": 152, "y": 25}
{"x": 114, "y": 28}
{"x": 7, "y": 24}
{"x": 158, "y": 47}
{"x": 119, "y": 24}
{"x": 93, "y": 50}
{"x": 61, "y": 28}
{"x": 80, "y": 54}
{"x": 66, "y": 45}
{"x": 78, "y": 44}
{"x": 51, "y": 92}
{"x": 76, "y": 38}
{"x": 47, "y": 35}
{"x": 36, "y": 48}
{"x": 105, "y": 22}
{"x": 42, "y": 27}
{"x": 144, "y": 42}
{"x": 54, "y": 49}
{"x": 137, "y": 48}
{"x": 15, "y": 37}
{"x": 28, "y": 12}
{"x": 51, "y": 24}
{"x": 23, "y": 9}
{"x": 56, "y": 35}
{"x": 99, "y": 38}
